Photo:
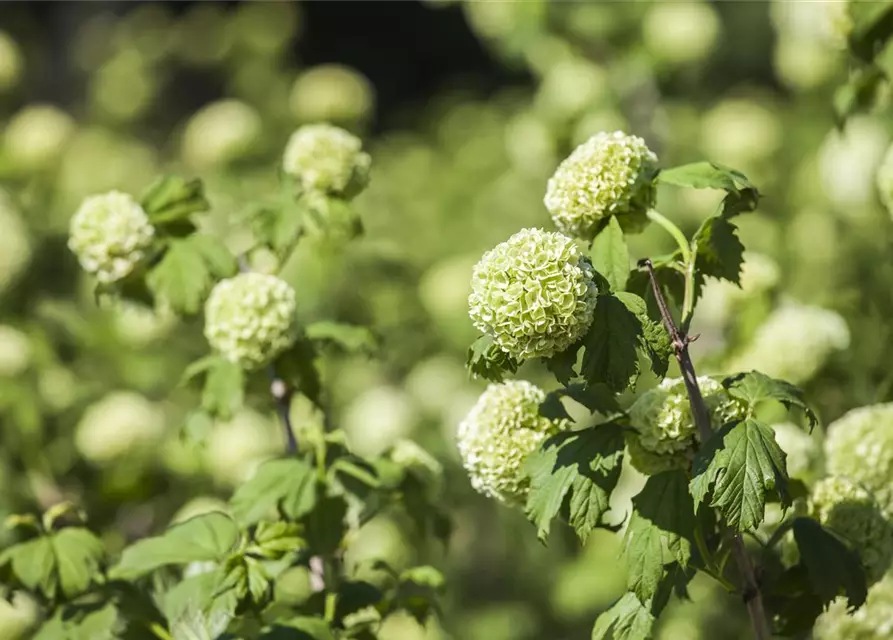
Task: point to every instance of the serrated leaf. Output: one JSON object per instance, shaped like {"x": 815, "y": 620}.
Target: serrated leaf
{"x": 172, "y": 199}
{"x": 580, "y": 468}
{"x": 611, "y": 344}
{"x": 562, "y": 364}
{"x": 833, "y": 568}
{"x": 188, "y": 270}
{"x": 653, "y": 338}
{"x": 740, "y": 464}
{"x": 300, "y": 628}
{"x": 289, "y": 484}
{"x": 79, "y": 556}
{"x": 209, "y": 536}
{"x": 350, "y": 338}
{"x": 487, "y": 360}
{"x": 755, "y": 387}
{"x": 663, "y": 518}
{"x": 224, "y": 389}
{"x": 610, "y": 255}
{"x": 627, "y": 619}
{"x": 705, "y": 175}
{"x": 34, "y": 564}
{"x": 197, "y": 608}
{"x": 718, "y": 251}
{"x": 82, "y": 623}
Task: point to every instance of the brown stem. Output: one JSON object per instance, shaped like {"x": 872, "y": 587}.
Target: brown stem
{"x": 282, "y": 394}
{"x": 753, "y": 598}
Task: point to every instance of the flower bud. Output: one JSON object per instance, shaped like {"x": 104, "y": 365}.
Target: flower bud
{"x": 110, "y": 234}
{"x": 534, "y": 294}
{"x": 610, "y": 174}
{"x": 497, "y": 435}
{"x": 665, "y": 431}
{"x": 327, "y": 159}
{"x": 859, "y": 445}
{"x": 250, "y": 318}
{"x": 852, "y": 512}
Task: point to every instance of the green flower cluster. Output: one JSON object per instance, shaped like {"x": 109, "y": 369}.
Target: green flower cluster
{"x": 665, "y": 431}
{"x": 327, "y": 159}
{"x": 872, "y": 621}
{"x": 609, "y": 174}
{"x": 533, "y": 294}
{"x": 110, "y": 234}
{"x": 849, "y": 510}
{"x": 497, "y": 435}
{"x": 250, "y": 318}
{"x": 859, "y": 445}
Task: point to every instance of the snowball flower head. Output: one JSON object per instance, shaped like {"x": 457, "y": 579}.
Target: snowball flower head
{"x": 36, "y": 135}
{"x": 849, "y": 510}
{"x": 220, "y": 133}
{"x": 664, "y": 427}
{"x": 609, "y": 174}
{"x": 250, "y": 318}
{"x": 498, "y": 434}
{"x": 871, "y": 621}
{"x": 533, "y": 293}
{"x": 116, "y": 425}
{"x": 110, "y": 234}
{"x": 331, "y": 92}
{"x": 859, "y": 445}
{"x": 794, "y": 343}
{"x": 327, "y": 159}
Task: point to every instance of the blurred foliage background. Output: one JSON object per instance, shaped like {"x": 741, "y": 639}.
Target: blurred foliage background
{"x": 466, "y": 109}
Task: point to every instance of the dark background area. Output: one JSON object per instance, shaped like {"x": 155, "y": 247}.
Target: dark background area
{"x": 407, "y": 50}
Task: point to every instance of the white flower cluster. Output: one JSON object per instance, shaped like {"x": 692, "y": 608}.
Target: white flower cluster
{"x": 534, "y": 294}
{"x": 872, "y": 621}
{"x": 665, "y": 431}
{"x": 220, "y": 133}
{"x": 859, "y": 445}
{"x": 110, "y": 234}
{"x": 36, "y": 135}
{"x": 609, "y": 174}
{"x": 250, "y": 318}
{"x": 794, "y": 342}
{"x": 331, "y": 92}
{"x": 327, "y": 159}
{"x": 498, "y": 434}
{"x": 849, "y": 510}
{"x": 117, "y": 425}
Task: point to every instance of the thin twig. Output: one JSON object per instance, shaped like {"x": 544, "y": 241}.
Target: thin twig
{"x": 750, "y": 591}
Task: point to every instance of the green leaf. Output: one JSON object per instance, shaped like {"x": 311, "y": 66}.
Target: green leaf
{"x": 755, "y": 387}
{"x": 172, "y": 199}
{"x": 627, "y": 619}
{"x": 718, "y": 251}
{"x": 663, "y": 518}
{"x": 859, "y": 93}
{"x": 418, "y": 590}
{"x": 611, "y": 343}
{"x": 872, "y": 29}
{"x": 350, "y": 338}
{"x": 224, "y": 390}
{"x": 79, "y": 555}
{"x": 610, "y": 255}
{"x": 705, "y": 175}
{"x": 64, "y": 562}
{"x": 206, "y": 537}
{"x": 562, "y": 364}
{"x": 575, "y": 472}
{"x": 298, "y": 368}
{"x": 742, "y": 462}
{"x": 487, "y": 360}
{"x": 324, "y": 526}
{"x": 188, "y": 270}
{"x": 196, "y": 607}
{"x": 289, "y": 484}
{"x": 300, "y": 628}
{"x": 83, "y": 623}
{"x": 654, "y": 340}
{"x": 833, "y": 568}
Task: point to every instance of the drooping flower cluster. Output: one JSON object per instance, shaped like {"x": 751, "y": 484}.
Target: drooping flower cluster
{"x": 871, "y": 621}
{"x": 794, "y": 342}
{"x": 665, "y": 430}
{"x": 534, "y": 294}
{"x": 327, "y": 159}
{"x": 250, "y": 318}
{"x": 849, "y": 510}
{"x": 498, "y": 434}
{"x": 110, "y": 234}
{"x": 609, "y": 174}
{"x": 859, "y": 445}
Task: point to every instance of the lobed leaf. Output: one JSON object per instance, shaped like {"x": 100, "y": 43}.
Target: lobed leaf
{"x": 610, "y": 255}
{"x": 288, "y": 484}
{"x": 487, "y": 360}
{"x": 754, "y": 387}
{"x": 627, "y": 619}
{"x": 832, "y": 567}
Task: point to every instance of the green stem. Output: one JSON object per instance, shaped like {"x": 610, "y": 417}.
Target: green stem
{"x": 159, "y": 632}
{"x": 688, "y": 261}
